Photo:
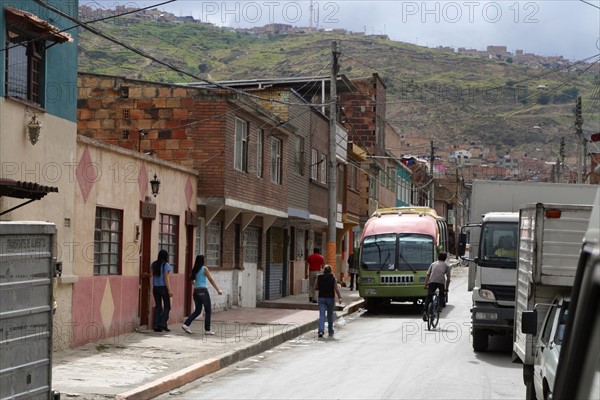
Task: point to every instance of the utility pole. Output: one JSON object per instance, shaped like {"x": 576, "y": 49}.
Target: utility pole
{"x": 580, "y": 142}
{"x": 432, "y": 184}
{"x": 332, "y": 214}
{"x": 561, "y": 160}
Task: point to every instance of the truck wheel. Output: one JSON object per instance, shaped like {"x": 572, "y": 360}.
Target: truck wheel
{"x": 480, "y": 340}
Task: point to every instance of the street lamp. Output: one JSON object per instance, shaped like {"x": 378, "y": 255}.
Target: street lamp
{"x": 155, "y": 185}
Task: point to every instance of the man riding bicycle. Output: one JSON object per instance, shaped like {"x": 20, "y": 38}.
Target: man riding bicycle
{"x": 435, "y": 280}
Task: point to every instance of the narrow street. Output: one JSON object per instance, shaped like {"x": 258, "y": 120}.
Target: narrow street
{"x": 390, "y": 355}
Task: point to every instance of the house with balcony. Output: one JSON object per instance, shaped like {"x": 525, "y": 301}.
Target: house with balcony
{"x": 240, "y": 150}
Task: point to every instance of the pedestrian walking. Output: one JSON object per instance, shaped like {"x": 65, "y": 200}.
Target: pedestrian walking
{"x": 328, "y": 287}
{"x": 161, "y": 289}
{"x": 200, "y": 275}
{"x": 353, "y": 270}
{"x": 314, "y": 263}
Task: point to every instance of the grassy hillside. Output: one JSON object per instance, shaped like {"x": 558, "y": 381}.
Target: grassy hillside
{"x": 431, "y": 93}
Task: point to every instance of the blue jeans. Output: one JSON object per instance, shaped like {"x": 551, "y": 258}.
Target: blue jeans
{"x": 326, "y": 305}
{"x": 201, "y": 298}
{"x": 162, "y": 306}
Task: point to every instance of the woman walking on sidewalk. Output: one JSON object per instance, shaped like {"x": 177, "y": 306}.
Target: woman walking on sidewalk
{"x": 162, "y": 291}
{"x": 328, "y": 287}
{"x": 200, "y": 274}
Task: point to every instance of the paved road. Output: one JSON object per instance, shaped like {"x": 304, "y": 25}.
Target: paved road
{"x": 390, "y": 355}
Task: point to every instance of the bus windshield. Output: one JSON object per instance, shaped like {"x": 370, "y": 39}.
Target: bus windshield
{"x": 402, "y": 252}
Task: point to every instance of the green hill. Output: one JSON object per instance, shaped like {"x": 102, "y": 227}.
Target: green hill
{"x": 431, "y": 93}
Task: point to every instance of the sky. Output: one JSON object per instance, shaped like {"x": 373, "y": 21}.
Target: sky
{"x": 570, "y": 28}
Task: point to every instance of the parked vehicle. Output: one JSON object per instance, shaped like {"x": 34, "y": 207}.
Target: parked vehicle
{"x": 578, "y": 370}
{"x": 550, "y": 237}
{"x": 27, "y": 269}
{"x": 494, "y": 207}
{"x": 397, "y": 247}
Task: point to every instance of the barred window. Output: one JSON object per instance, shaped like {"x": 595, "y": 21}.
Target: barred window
{"x": 108, "y": 237}
{"x": 213, "y": 244}
{"x": 169, "y": 237}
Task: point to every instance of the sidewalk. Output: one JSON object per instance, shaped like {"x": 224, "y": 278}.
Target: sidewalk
{"x": 145, "y": 364}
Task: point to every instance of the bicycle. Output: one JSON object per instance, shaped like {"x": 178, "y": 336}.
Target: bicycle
{"x": 434, "y": 309}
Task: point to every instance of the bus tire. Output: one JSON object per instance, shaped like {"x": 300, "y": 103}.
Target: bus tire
{"x": 372, "y": 305}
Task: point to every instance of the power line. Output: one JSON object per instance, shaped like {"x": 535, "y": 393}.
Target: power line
{"x": 158, "y": 61}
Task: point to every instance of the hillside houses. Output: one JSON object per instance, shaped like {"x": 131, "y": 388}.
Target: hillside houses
{"x": 238, "y": 171}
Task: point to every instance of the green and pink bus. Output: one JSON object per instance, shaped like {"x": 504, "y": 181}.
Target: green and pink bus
{"x": 396, "y": 248}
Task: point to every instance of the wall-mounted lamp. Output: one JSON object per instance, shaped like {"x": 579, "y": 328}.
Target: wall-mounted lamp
{"x": 33, "y": 129}
{"x": 155, "y": 185}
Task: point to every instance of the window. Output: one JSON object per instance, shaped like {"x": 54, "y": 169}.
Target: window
{"x": 373, "y": 187}
{"x": 24, "y": 66}
{"x": 299, "y": 153}
{"x": 213, "y": 244}
{"x": 241, "y": 145}
{"x": 25, "y": 46}
{"x": 169, "y": 237}
{"x": 314, "y": 164}
{"x": 391, "y": 178}
{"x": 259, "y": 153}
{"x": 323, "y": 168}
{"x": 276, "y": 160}
{"x": 108, "y": 236}
{"x": 353, "y": 177}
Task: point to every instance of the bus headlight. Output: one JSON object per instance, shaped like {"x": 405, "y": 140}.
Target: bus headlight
{"x": 367, "y": 280}
{"x": 487, "y": 294}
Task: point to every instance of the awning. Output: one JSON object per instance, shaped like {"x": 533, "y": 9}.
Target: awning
{"x": 32, "y": 24}
{"x": 23, "y": 190}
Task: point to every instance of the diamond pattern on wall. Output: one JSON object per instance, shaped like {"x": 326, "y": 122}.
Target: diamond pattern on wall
{"x": 189, "y": 191}
{"x": 86, "y": 173}
{"x": 143, "y": 180}
{"x": 107, "y": 307}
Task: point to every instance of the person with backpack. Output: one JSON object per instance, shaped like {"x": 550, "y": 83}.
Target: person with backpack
{"x": 162, "y": 291}
{"x": 200, "y": 275}
{"x": 327, "y": 287}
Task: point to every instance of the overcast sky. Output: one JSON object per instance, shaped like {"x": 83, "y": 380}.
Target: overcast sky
{"x": 570, "y": 28}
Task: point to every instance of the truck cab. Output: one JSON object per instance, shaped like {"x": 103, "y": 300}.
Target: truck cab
{"x": 493, "y": 271}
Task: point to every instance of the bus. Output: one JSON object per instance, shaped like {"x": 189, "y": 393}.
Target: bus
{"x": 397, "y": 246}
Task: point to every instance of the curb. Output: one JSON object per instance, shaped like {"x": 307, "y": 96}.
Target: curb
{"x": 198, "y": 370}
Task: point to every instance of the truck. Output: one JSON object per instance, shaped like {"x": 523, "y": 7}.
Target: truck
{"x": 550, "y": 237}
{"x": 578, "y": 370}
{"x": 493, "y": 213}
{"x": 397, "y": 246}
{"x": 27, "y": 270}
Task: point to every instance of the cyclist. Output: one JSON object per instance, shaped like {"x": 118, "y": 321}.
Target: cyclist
{"x": 435, "y": 280}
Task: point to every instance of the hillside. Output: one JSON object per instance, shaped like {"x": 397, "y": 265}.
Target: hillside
{"x": 440, "y": 95}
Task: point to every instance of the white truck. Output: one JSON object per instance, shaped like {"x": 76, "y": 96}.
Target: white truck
{"x": 550, "y": 237}
{"x": 578, "y": 370}
{"x": 494, "y": 207}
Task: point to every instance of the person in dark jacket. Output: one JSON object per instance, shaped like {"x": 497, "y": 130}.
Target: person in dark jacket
{"x": 327, "y": 287}
{"x": 161, "y": 289}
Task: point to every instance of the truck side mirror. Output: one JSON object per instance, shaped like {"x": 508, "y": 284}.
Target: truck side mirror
{"x": 529, "y": 322}
{"x": 462, "y": 244}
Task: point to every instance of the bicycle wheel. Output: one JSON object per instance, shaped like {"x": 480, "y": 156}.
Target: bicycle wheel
{"x": 430, "y": 312}
{"x": 434, "y": 314}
